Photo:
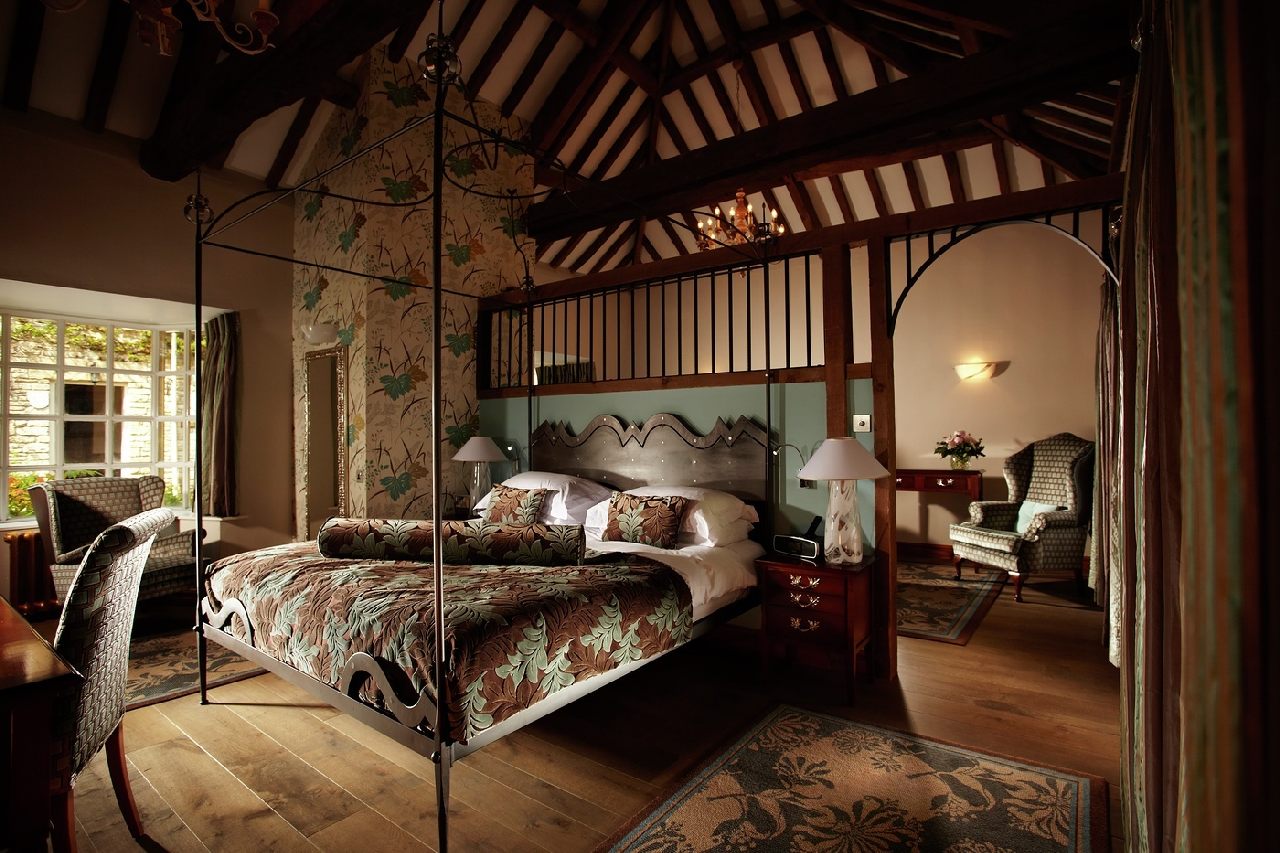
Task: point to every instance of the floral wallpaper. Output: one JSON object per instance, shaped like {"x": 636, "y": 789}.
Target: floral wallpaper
{"x": 385, "y": 326}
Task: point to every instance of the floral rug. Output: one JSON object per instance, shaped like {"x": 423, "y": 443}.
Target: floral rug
{"x": 164, "y": 667}
{"x": 933, "y": 605}
{"x": 806, "y": 781}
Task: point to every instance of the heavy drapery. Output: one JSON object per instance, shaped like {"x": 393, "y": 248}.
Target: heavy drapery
{"x": 1177, "y": 487}
{"x": 218, "y": 410}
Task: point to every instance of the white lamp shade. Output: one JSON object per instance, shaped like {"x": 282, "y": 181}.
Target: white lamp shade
{"x": 479, "y": 449}
{"x": 842, "y": 459}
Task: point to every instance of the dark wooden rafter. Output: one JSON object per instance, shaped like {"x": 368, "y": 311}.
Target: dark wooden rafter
{"x": 1120, "y": 122}
{"x": 1086, "y": 106}
{"x": 1001, "y": 158}
{"x": 1096, "y": 149}
{"x": 115, "y": 37}
{"x": 1002, "y": 17}
{"x": 877, "y": 192}
{"x": 24, "y": 47}
{"x": 1049, "y": 62}
{"x": 567, "y": 15}
{"x": 955, "y": 180}
{"x": 620, "y": 238}
{"x": 699, "y": 116}
{"x": 836, "y": 75}
{"x": 747, "y": 42}
{"x": 408, "y": 29}
{"x": 292, "y": 139}
{"x": 656, "y": 112}
{"x": 498, "y": 47}
{"x": 912, "y": 173}
{"x": 946, "y": 45}
{"x": 1047, "y": 171}
{"x": 574, "y": 92}
{"x": 536, "y": 61}
{"x": 694, "y": 34}
{"x": 1091, "y": 128}
{"x": 199, "y": 119}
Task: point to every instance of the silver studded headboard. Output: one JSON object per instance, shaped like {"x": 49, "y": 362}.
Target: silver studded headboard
{"x": 664, "y": 450}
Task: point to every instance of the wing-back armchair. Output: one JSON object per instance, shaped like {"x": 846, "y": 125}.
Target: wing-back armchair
{"x": 93, "y": 636}
{"x": 1045, "y": 522}
{"x": 71, "y": 514}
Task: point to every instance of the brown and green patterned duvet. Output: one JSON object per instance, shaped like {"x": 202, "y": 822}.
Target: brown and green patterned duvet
{"x": 513, "y": 634}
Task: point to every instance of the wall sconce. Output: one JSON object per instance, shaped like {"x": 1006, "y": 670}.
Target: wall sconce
{"x": 777, "y": 452}
{"x": 975, "y": 371}
{"x": 512, "y": 451}
{"x": 320, "y": 334}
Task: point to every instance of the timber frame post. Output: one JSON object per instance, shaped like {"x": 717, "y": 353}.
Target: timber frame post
{"x": 884, "y": 593}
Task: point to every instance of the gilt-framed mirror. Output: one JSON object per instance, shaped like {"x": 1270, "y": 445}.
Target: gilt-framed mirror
{"x": 325, "y": 449}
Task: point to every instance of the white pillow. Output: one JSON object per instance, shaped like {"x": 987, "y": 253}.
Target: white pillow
{"x": 711, "y": 501}
{"x": 569, "y": 500}
{"x": 1029, "y": 510}
{"x": 718, "y": 533}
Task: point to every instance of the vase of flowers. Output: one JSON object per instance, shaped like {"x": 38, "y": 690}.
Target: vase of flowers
{"x": 959, "y": 448}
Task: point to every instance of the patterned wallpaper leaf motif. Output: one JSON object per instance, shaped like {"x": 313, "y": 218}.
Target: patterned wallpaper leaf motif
{"x": 399, "y": 288}
{"x": 397, "y": 386}
{"x": 459, "y": 344}
{"x": 458, "y": 254}
{"x": 399, "y": 191}
{"x": 513, "y": 227}
{"x": 398, "y": 484}
{"x": 313, "y": 204}
{"x": 459, "y": 434}
{"x": 347, "y": 144}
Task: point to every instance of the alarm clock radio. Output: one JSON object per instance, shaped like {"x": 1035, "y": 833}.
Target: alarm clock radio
{"x": 806, "y": 546}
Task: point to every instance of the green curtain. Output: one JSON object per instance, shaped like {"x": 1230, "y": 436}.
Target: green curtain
{"x": 218, "y": 411}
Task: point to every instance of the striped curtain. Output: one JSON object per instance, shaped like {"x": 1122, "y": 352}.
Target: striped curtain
{"x": 1176, "y": 452}
{"x": 218, "y": 410}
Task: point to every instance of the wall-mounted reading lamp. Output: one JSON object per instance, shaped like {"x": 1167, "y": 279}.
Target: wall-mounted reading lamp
{"x": 777, "y": 452}
{"x": 975, "y": 371}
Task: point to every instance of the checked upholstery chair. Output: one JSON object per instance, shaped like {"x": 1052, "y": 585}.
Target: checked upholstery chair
{"x": 93, "y": 636}
{"x": 1045, "y": 522}
{"x": 71, "y": 514}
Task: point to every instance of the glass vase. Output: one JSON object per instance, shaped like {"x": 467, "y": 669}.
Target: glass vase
{"x": 959, "y": 463}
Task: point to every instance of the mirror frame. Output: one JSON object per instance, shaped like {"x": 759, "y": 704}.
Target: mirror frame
{"x": 338, "y": 355}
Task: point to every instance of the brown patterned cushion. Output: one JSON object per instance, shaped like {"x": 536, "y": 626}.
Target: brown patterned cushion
{"x": 646, "y": 520}
{"x": 475, "y": 542}
{"x": 509, "y": 505}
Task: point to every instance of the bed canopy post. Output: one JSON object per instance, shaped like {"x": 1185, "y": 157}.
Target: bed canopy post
{"x": 440, "y": 66}
{"x": 198, "y": 212}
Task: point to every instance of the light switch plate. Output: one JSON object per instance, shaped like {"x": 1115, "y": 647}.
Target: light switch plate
{"x": 862, "y": 423}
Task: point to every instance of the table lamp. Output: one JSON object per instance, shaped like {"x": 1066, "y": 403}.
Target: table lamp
{"x": 481, "y": 450}
{"x": 842, "y": 461}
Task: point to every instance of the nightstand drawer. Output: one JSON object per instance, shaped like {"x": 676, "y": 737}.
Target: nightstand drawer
{"x": 940, "y": 482}
{"x": 791, "y": 623}
{"x": 798, "y": 579}
{"x": 807, "y": 600}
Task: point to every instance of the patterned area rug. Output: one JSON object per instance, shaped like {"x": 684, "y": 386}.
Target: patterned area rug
{"x": 933, "y": 605}
{"x": 164, "y": 667}
{"x": 806, "y": 781}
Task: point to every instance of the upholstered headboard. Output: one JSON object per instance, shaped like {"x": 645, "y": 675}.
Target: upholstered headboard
{"x": 664, "y": 449}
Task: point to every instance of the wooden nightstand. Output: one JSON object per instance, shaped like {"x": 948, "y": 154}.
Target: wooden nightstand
{"x": 815, "y": 606}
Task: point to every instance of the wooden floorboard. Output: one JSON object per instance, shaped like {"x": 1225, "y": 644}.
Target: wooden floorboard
{"x": 266, "y": 767}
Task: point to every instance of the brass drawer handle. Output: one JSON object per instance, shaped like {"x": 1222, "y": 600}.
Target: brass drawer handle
{"x": 947, "y": 482}
{"x": 804, "y": 625}
{"x": 805, "y": 582}
{"x": 804, "y": 600}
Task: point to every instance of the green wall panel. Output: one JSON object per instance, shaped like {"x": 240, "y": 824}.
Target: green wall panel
{"x": 799, "y": 418}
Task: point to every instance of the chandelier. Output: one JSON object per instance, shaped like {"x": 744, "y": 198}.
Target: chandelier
{"x": 741, "y": 226}
{"x": 157, "y": 25}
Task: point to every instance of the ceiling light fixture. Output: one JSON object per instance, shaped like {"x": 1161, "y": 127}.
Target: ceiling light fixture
{"x": 741, "y": 225}
{"x": 157, "y": 25}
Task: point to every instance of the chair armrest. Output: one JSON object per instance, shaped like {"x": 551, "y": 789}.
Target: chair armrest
{"x": 175, "y": 545}
{"x": 72, "y": 558}
{"x": 1048, "y": 520}
{"x": 996, "y": 515}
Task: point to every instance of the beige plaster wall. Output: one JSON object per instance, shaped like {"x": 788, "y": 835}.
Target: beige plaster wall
{"x": 1018, "y": 294}
{"x": 77, "y": 211}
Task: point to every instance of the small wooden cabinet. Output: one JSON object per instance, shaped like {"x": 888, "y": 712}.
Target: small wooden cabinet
{"x": 815, "y": 607}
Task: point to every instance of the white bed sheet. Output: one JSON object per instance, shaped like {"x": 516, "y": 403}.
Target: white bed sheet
{"x": 716, "y": 574}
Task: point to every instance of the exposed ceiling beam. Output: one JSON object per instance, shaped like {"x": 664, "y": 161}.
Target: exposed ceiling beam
{"x": 498, "y": 47}
{"x": 115, "y": 37}
{"x": 1040, "y": 66}
{"x": 1002, "y": 17}
{"x": 201, "y": 119}
{"x": 520, "y": 88}
{"x": 24, "y": 47}
{"x": 297, "y": 129}
{"x": 932, "y": 145}
{"x": 408, "y": 29}
{"x": 566, "y": 14}
{"x": 748, "y": 41}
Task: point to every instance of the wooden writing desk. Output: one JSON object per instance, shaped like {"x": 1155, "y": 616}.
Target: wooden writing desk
{"x": 32, "y": 677}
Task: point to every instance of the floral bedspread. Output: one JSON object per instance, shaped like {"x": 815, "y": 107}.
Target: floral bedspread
{"x": 513, "y": 634}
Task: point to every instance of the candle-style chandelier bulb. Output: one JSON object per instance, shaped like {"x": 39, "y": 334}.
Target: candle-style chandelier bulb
{"x": 740, "y": 227}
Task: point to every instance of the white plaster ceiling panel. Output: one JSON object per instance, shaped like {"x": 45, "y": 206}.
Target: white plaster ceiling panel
{"x": 864, "y": 205}
{"x": 555, "y": 66}
{"x": 580, "y": 257}
{"x": 897, "y": 197}
{"x": 934, "y": 185}
{"x": 855, "y": 62}
{"x": 750, "y": 14}
{"x": 504, "y": 75}
{"x": 666, "y": 148}
{"x": 737, "y": 96}
{"x": 638, "y": 139}
{"x": 978, "y": 165}
{"x": 635, "y": 103}
{"x": 683, "y": 119}
{"x": 492, "y": 15}
{"x": 255, "y": 151}
{"x": 64, "y": 65}
{"x": 706, "y": 21}
{"x": 706, "y": 100}
{"x": 813, "y": 69}
{"x": 294, "y": 174}
{"x": 825, "y": 197}
{"x": 1024, "y": 170}
{"x": 141, "y": 87}
{"x": 777, "y": 83}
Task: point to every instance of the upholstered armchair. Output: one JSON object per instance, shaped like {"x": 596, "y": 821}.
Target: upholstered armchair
{"x": 93, "y": 636}
{"x": 1045, "y": 522}
{"x": 71, "y": 514}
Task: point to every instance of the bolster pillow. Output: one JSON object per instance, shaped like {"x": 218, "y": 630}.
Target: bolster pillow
{"x": 473, "y": 542}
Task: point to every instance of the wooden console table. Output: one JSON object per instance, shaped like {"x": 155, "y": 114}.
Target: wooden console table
{"x": 940, "y": 480}
{"x": 32, "y": 677}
